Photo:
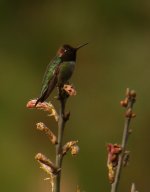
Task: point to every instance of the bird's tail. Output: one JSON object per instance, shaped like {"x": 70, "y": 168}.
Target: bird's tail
{"x": 47, "y": 92}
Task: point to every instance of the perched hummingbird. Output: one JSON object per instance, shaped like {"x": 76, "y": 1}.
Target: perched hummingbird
{"x": 59, "y": 70}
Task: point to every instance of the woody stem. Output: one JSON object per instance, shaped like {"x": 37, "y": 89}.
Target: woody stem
{"x": 59, "y": 156}
{"x": 125, "y": 137}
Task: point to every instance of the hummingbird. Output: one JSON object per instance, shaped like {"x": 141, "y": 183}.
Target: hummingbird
{"x": 59, "y": 70}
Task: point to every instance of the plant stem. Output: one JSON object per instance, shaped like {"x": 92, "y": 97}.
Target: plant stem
{"x": 59, "y": 156}
{"x": 126, "y": 131}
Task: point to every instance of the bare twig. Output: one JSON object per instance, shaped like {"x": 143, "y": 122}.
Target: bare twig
{"x": 54, "y": 170}
{"x": 61, "y": 125}
{"x": 128, "y": 104}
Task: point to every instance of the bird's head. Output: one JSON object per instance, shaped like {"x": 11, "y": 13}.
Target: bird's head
{"x": 68, "y": 53}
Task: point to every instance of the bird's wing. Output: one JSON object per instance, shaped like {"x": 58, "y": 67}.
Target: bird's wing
{"x": 50, "y": 73}
{"x": 50, "y": 79}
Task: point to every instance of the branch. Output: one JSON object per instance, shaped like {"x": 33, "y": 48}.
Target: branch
{"x": 54, "y": 170}
{"x": 61, "y": 124}
{"x": 128, "y": 104}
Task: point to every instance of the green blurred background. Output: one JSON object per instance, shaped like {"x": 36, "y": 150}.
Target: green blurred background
{"x": 117, "y": 57}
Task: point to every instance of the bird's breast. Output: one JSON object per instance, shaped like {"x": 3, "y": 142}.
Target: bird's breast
{"x": 66, "y": 71}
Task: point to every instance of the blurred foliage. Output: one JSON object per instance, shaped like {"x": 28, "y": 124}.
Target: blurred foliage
{"x": 117, "y": 57}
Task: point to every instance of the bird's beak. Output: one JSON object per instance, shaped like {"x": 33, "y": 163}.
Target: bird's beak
{"x": 81, "y": 46}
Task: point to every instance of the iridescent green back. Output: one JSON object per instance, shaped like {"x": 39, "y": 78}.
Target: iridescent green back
{"x": 49, "y": 73}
